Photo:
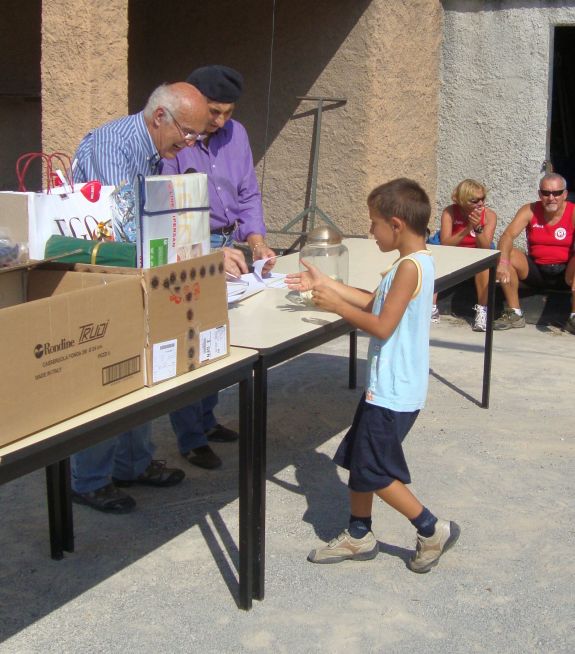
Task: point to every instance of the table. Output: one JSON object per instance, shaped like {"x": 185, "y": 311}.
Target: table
{"x": 279, "y": 330}
{"x": 51, "y": 447}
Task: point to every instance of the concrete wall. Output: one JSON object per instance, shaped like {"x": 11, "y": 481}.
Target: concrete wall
{"x": 84, "y": 68}
{"x": 495, "y": 90}
{"x": 101, "y": 60}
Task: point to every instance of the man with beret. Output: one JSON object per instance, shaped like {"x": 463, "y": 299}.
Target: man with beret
{"x": 236, "y": 213}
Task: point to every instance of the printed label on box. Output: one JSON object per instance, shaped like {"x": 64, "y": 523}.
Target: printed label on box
{"x": 164, "y": 359}
{"x": 158, "y": 252}
{"x": 213, "y": 343}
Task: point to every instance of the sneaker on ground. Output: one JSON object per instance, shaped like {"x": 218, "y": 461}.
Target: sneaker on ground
{"x": 480, "y": 322}
{"x": 344, "y": 547}
{"x": 107, "y": 499}
{"x": 156, "y": 474}
{"x": 429, "y": 550}
{"x": 221, "y": 434}
{"x": 435, "y": 316}
{"x": 570, "y": 325}
{"x": 203, "y": 457}
{"x": 509, "y": 320}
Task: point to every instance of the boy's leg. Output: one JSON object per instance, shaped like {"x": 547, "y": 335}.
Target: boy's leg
{"x": 434, "y": 535}
{"x": 356, "y": 543}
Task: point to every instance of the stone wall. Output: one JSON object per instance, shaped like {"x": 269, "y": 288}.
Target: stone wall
{"x": 495, "y": 97}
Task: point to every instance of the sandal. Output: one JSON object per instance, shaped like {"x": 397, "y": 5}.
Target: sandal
{"x": 107, "y": 499}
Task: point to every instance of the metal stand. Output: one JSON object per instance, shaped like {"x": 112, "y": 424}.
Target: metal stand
{"x": 307, "y": 216}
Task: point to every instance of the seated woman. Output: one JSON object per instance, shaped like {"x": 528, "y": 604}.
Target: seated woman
{"x": 469, "y": 223}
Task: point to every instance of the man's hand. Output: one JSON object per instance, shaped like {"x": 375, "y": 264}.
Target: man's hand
{"x": 234, "y": 262}
{"x": 262, "y": 251}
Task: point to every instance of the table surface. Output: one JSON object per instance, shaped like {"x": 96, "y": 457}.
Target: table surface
{"x": 268, "y": 319}
{"x": 139, "y": 398}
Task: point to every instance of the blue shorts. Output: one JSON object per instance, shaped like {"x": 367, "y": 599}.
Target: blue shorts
{"x": 372, "y": 448}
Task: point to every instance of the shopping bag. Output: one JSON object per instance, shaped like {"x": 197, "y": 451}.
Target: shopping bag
{"x": 89, "y": 210}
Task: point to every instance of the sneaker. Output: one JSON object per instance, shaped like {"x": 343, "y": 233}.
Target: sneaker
{"x": 435, "y": 316}
{"x": 107, "y": 499}
{"x": 509, "y": 320}
{"x": 221, "y": 434}
{"x": 156, "y": 474}
{"x": 429, "y": 550}
{"x": 345, "y": 547}
{"x": 480, "y": 322}
{"x": 570, "y": 325}
{"x": 203, "y": 457}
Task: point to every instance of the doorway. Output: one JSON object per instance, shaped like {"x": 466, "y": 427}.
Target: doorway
{"x": 562, "y": 137}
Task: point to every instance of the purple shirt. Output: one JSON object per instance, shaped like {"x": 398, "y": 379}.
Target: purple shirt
{"x": 232, "y": 184}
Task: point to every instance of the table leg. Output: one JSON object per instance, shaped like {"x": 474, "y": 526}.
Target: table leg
{"x": 60, "y": 517}
{"x": 353, "y": 359}
{"x": 488, "y": 338}
{"x": 259, "y": 488}
{"x": 246, "y": 476}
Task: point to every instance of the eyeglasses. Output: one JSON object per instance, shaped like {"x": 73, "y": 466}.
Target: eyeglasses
{"x": 555, "y": 194}
{"x": 187, "y": 134}
{"x": 476, "y": 200}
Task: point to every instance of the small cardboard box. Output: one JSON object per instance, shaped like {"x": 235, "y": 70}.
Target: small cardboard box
{"x": 186, "y": 314}
{"x": 70, "y": 341}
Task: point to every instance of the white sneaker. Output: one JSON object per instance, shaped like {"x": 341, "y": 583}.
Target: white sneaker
{"x": 429, "y": 550}
{"x": 435, "y": 317}
{"x": 480, "y": 322}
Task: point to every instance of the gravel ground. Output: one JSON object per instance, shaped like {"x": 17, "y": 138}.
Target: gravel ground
{"x": 164, "y": 579}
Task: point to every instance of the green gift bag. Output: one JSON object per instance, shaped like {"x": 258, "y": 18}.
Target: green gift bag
{"x": 79, "y": 250}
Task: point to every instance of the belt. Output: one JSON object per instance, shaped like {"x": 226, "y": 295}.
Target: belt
{"x": 225, "y": 231}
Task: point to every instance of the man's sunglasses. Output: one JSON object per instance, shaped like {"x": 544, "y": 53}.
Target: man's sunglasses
{"x": 555, "y": 194}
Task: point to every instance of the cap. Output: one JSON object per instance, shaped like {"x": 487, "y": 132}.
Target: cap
{"x": 217, "y": 83}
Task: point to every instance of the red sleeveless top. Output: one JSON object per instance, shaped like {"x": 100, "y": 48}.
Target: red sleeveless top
{"x": 460, "y": 223}
{"x": 550, "y": 243}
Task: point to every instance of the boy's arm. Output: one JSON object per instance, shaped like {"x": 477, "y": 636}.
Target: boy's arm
{"x": 383, "y": 325}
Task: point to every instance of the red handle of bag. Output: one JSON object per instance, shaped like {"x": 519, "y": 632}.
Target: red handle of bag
{"x": 50, "y": 162}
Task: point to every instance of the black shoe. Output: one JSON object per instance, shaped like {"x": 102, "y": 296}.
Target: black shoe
{"x": 203, "y": 457}
{"x": 156, "y": 474}
{"x": 221, "y": 434}
{"x": 107, "y": 499}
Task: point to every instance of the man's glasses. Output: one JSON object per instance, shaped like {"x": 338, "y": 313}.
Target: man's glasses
{"x": 477, "y": 200}
{"x": 555, "y": 194}
{"x": 187, "y": 134}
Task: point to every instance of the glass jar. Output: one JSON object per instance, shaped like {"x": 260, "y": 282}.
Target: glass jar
{"x": 324, "y": 250}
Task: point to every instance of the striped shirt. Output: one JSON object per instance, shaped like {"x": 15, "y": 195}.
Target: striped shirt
{"x": 116, "y": 152}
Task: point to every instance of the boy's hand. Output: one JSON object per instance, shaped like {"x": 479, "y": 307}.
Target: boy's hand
{"x": 326, "y": 298}
{"x": 306, "y": 280}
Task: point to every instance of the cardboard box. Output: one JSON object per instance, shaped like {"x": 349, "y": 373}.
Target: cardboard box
{"x": 186, "y": 314}
{"x": 66, "y": 345}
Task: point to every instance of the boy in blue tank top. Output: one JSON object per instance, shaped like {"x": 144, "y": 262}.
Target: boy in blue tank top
{"x": 396, "y": 317}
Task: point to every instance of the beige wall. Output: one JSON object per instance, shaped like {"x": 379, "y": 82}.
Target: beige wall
{"x": 84, "y": 68}
{"x": 382, "y": 55}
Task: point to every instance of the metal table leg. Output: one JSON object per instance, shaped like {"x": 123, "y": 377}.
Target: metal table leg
{"x": 60, "y": 516}
{"x": 353, "y": 359}
{"x": 259, "y": 476}
{"x": 488, "y": 338}
{"x": 246, "y": 481}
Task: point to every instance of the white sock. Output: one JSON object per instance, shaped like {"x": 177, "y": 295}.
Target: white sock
{"x": 518, "y": 312}
{"x": 572, "y": 315}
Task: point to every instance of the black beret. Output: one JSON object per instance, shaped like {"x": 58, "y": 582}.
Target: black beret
{"x": 217, "y": 83}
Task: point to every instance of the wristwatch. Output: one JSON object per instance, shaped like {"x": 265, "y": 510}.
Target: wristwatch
{"x": 478, "y": 230}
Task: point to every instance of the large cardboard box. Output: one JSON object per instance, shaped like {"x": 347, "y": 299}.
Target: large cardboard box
{"x": 70, "y": 341}
{"x": 186, "y": 314}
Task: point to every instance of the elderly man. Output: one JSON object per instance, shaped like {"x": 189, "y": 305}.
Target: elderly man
{"x": 235, "y": 214}
{"x": 117, "y": 152}
{"x": 549, "y": 225}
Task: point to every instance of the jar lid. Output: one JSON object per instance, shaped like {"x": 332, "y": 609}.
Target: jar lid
{"x": 323, "y": 235}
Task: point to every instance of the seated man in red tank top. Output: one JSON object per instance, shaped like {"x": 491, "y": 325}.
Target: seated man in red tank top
{"x": 549, "y": 225}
